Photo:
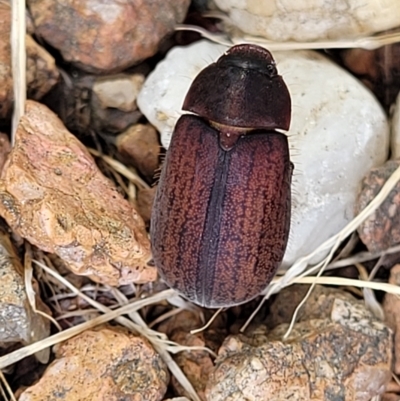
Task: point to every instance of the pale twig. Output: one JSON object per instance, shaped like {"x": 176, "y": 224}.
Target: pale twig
{"x": 349, "y": 282}
{"x": 18, "y": 61}
{"x": 7, "y": 386}
{"x": 210, "y": 321}
{"x": 367, "y": 42}
{"x": 158, "y": 340}
{"x": 121, "y": 169}
{"x": 21, "y": 353}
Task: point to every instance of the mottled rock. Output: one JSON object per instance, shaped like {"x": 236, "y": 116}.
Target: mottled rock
{"x": 106, "y": 36}
{"x": 309, "y": 20}
{"x": 345, "y": 356}
{"x": 109, "y": 364}
{"x": 141, "y": 147}
{"x": 381, "y": 229}
{"x": 53, "y": 194}
{"x": 338, "y": 132}
{"x": 41, "y": 71}
{"x": 5, "y": 147}
{"x": 318, "y": 304}
{"x": 18, "y": 322}
{"x": 391, "y": 307}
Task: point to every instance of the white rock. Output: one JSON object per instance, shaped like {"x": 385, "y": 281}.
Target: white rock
{"x": 395, "y": 137}
{"x": 338, "y": 132}
{"x": 307, "y": 20}
{"x": 118, "y": 91}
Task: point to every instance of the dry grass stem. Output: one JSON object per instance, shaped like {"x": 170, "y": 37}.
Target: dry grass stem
{"x": 121, "y": 169}
{"x": 18, "y": 61}
{"x": 213, "y": 317}
{"x": 367, "y": 42}
{"x": 21, "y": 353}
{"x": 159, "y": 341}
{"x": 8, "y": 388}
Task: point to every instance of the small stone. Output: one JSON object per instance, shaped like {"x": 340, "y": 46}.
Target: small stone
{"x": 18, "y": 322}
{"x": 118, "y": 91}
{"x": 41, "y": 71}
{"x": 107, "y": 364}
{"x": 391, "y": 306}
{"x": 145, "y": 200}
{"x": 141, "y": 147}
{"x": 307, "y": 20}
{"x": 381, "y": 229}
{"x": 53, "y": 194}
{"x": 109, "y": 111}
{"x": 106, "y": 37}
{"x": 345, "y": 353}
{"x": 338, "y": 132}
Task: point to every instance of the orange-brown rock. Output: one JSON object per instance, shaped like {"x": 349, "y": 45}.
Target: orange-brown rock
{"x": 381, "y": 229}
{"x": 140, "y": 145}
{"x": 346, "y": 355}
{"x": 105, "y": 37}
{"x": 391, "y": 306}
{"x": 108, "y": 364}
{"x": 53, "y": 194}
{"x": 18, "y": 322}
{"x": 41, "y": 71}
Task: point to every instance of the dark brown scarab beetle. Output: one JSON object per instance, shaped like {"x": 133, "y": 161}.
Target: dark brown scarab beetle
{"x": 221, "y": 215}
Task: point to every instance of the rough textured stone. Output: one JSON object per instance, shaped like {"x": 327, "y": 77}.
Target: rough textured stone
{"x": 109, "y": 364}
{"x": 53, "y": 194}
{"x": 346, "y": 355}
{"x": 18, "y": 322}
{"x": 381, "y": 229}
{"x": 108, "y": 35}
{"x": 391, "y": 307}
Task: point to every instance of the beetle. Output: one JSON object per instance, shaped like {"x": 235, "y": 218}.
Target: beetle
{"x": 221, "y": 215}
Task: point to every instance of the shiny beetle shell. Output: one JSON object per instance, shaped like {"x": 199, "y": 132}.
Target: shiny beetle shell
{"x": 221, "y": 215}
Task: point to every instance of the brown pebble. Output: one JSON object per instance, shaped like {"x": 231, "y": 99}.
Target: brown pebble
{"x": 140, "y": 145}
{"x": 391, "y": 307}
{"x": 107, "y": 364}
{"x": 53, "y": 194}
{"x": 381, "y": 229}
{"x": 329, "y": 357}
{"x": 106, "y": 36}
